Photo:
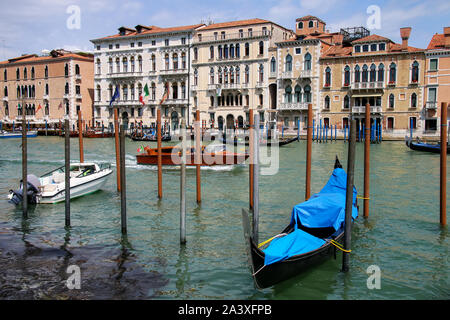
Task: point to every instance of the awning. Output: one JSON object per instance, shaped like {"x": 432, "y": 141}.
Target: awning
{"x": 367, "y": 95}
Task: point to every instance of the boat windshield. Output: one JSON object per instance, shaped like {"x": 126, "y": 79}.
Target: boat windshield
{"x": 215, "y": 148}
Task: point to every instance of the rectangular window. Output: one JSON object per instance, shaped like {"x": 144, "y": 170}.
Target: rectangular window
{"x": 366, "y": 48}
{"x": 166, "y": 42}
{"x": 132, "y": 45}
{"x": 215, "y": 35}
{"x": 222, "y": 35}
{"x": 432, "y": 94}
{"x": 153, "y": 42}
{"x": 298, "y": 50}
{"x": 390, "y": 123}
{"x": 139, "y": 44}
{"x": 373, "y": 47}
{"x": 433, "y": 64}
{"x": 183, "y": 40}
{"x": 110, "y": 47}
{"x": 241, "y": 33}
{"x": 382, "y": 46}
{"x": 117, "y": 45}
{"x": 98, "y": 48}
{"x": 357, "y": 48}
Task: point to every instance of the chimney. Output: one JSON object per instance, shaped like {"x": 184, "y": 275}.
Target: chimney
{"x": 447, "y": 37}
{"x": 405, "y": 33}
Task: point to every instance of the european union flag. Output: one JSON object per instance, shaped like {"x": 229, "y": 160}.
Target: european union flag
{"x": 115, "y": 96}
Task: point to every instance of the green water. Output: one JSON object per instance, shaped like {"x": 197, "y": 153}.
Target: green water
{"x": 402, "y": 235}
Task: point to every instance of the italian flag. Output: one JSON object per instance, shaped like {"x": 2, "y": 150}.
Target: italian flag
{"x": 146, "y": 94}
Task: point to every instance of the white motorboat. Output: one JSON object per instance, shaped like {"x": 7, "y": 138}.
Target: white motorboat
{"x": 16, "y": 134}
{"x": 85, "y": 178}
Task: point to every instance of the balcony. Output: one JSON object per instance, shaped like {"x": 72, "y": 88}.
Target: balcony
{"x": 232, "y": 36}
{"x": 431, "y": 105}
{"x": 78, "y": 96}
{"x": 118, "y": 75}
{"x": 293, "y": 106}
{"x": 306, "y": 74}
{"x": 261, "y": 84}
{"x": 171, "y": 72}
{"x": 362, "y": 109}
{"x": 78, "y": 77}
{"x": 287, "y": 75}
{"x": 175, "y": 102}
{"x": 5, "y": 98}
{"x": 46, "y": 97}
{"x": 368, "y": 85}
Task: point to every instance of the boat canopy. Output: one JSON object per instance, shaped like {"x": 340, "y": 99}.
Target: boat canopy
{"x": 323, "y": 210}
{"x": 326, "y": 208}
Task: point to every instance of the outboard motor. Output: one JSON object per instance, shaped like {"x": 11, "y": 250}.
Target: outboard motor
{"x": 16, "y": 196}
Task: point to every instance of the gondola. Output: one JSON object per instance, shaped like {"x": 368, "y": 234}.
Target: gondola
{"x": 311, "y": 241}
{"x": 281, "y": 142}
{"x": 165, "y": 137}
{"x": 426, "y": 147}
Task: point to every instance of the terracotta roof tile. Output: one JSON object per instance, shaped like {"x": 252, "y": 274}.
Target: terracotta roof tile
{"x": 35, "y": 58}
{"x": 371, "y": 38}
{"x": 235, "y": 24}
{"x": 306, "y": 18}
{"x": 437, "y": 42}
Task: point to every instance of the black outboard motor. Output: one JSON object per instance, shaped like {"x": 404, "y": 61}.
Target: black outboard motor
{"x": 32, "y": 191}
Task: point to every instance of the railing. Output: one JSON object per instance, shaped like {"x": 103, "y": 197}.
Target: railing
{"x": 305, "y": 73}
{"x": 431, "y": 105}
{"x": 165, "y": 72}
{"x": 362, "y": 109}
{"x": 287, "y": 75}
{"x": 230, "y": 36}
{"x": 368, "y": 85}
{"x": 78, "y": 96}
{"x": 5, "y": 98}
{"x": 293, "y": 106}
{"x": 124, "y": 74}
{"x": 176, "y": 101}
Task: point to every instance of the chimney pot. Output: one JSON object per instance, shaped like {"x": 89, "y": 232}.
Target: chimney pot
{"x": 447, "y": 37}
{"x": 404, "y": 34}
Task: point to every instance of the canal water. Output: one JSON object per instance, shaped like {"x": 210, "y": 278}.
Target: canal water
{"x": 402, "y": 235}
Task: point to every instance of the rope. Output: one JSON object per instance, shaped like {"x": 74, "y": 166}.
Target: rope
{"x": 339, "y": 246}
{"x": 274, "y": 237}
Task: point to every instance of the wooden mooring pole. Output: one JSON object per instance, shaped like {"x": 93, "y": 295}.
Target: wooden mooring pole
{"x": 256, "y": 178}
{"x": 80, "y": 136}
{"x": 183, "y": 184}
{"x": 158, "y": 130}
{"x": 443, "y": 188}
{"x": 24, "y": 166}
{"x": 250, "y": 166}
{"x": 116, "y": 138}
{"x": 123, "y": 189}
{"x": 198, "y": 155}
{"x": 349, "y": 197}
{"x": 367, "y": 163}
{"x": 308, "y": 153}
{"x": 67, "y": 171}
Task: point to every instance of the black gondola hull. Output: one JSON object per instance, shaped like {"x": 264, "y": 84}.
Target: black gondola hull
{"x": 434, "y": 148}
{"x": 281, "y": 142}
{"x": 266, "y": 276}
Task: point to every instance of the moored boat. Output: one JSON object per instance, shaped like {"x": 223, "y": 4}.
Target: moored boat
{"x": 314, "y": 234}
{"x": 85, "y": 178}
{"x": 17, "y": 134}
{"x": 212, "y": 155}
{"x": 239, "y": 141}
{"x": 422, "y": 146}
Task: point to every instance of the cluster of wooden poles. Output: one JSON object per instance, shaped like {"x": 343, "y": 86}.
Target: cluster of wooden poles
{"x": 253, "y": 168}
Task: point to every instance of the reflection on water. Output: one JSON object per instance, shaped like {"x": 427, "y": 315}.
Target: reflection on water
{"x": 402, "y": 235}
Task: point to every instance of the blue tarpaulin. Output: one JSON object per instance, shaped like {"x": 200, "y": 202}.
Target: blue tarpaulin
{"x": 324, "y": 209}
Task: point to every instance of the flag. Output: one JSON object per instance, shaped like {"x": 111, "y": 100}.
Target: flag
{"x": 60, "y": 106}
{"x": 38, "y": 108}
{"x": 146, "y": 91}
{"x": 141, "y": 148}
{"x": 166, "y": 93}
{"x": 115, "y": 96}
{"x": 146, "y": 94}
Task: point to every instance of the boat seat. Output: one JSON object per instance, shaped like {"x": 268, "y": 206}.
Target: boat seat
{"x": 49, "y": 188}
{"x": 58, "y": 177}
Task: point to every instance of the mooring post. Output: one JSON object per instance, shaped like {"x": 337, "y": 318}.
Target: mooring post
{"x": 256, "y": 179}
{"x": 298, "y": 130}
{"x": 335, "y": 132}
{"x": 158, "y": 130}
{"x": 367, "y": 163}
{"x": 331, "y": 133}
{"x": 198, "y": 155}
{"x": 46, "y": 128}
{"x": 183, "y": 183}
{"x": 313, "y": 126}
{"x": 123, "y": 189}
{"x": 308, "y": 153}
{"x": 67, "y": 170}
{"x": 116, "y": 138}
{"x": 251, "y": 166}
{"x": 24, "y": 166}
{"x": 80, "y": 136}
{"x": 443, "y": 189}
{"x": 349, "y": 196}
{"x": 345, "y": 133}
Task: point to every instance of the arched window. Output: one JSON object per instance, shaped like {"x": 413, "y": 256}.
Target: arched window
{"x": 346, "y": 76}
{"x": 211, "y": 52}
{"x": 140, "y": 63}
{"x": 25, "y": 74}
{"x": 195, "y": 77}
{"x": 357, "y": 74}
{"x": 415, "y": 72}
{"x": 183, "y": 90}
{"x": 225, "y": 51}
{"x": 125, "y": 64}
{"x": 392, "y": 73}
{"x": 175, "y": 61}
{"x": 261, "y": 73}
{"x": 110, "y": 90}
{"x": 220, "y": 77}
{"x": 17, "y": 74}
{"x": 247, "y": 49}
{"x": 220, "y": 52}
{"x": 414, "y": 100}
{"x": 273, "y": 65}
{"x": 238, "y": 51}
{"x": 211, "y": 76}
{"x": 66, "y": 70}
{"x": 46, "y": 72}
{"x": 66, "y": 88}
{"x": 298, "y": 94}
{"x": 166, "y": 61}
{"x": 46, "y": 89}
{"x": 311, "y": 24}
{"x": 174, "y": 90}
{"x": 381, "y": 73}
{"x": 225, "y": 75}
{"x": 327, "y": 102}
{"x": 391, "y": 101}
{"x": 231, "y": 75}
{"x": 288, "y": 94}
{"x": 6, "y": 91}
{"x": 373, "y": 73}
{"x": 132, "y": 64}
{"x": 98, "y": 66}
{"x": 247, "y": 74}
{"x": 307, "y": 94}
{"x": 307, "y": 61}
{"x": 118, "y": 65}
{"x": 47, "y": 109}
{"x": 77, "y": 69}
{"x": 261, "y": 47}
{"x": 288, "y": 65}
{"x": 110, "y": 63}
{"x": 125, "y": 92}
{"x": 5, "y": 75}
{"x": 99, "y": 93}
{"x": 238, "y": 76}
{"x": 231, "y": 50}
{"x": 153, "y": 62}
{"x": 32, "y": 73}
{"x": 365, "y": 73}
{"x": 346, "y": 102}
{"x": 132, "y": 95}
{"x": 153, "y": 96}
{"x": 300, "y": 25}
{"x": 33, "y": 91}
{"x": 328, "y": 77}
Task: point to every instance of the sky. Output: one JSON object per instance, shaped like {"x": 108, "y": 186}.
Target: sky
{"x": 30, "y": 26}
